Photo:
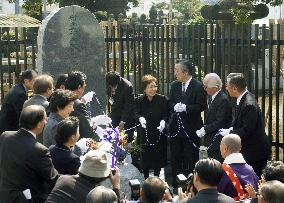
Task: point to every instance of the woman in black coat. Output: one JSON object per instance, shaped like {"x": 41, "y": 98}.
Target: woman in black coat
{"x": 151, "y": 109}
{"x": 63, "y": 157}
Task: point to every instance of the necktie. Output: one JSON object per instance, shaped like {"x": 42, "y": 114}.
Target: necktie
{"x": 183, "y": 87}
{"x": 209, "y": 101}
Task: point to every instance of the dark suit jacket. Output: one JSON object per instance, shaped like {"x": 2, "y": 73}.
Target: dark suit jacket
{"x": 37, "y": 99}
{"x": 219, "y": 115}
{"x": 12, "y": 107}
{"x": 24, "y": 164}
{"x": 73, "y": 189}
{"x": 64, "y": 160}
{"x": 249, "y": 126}
{"x": 123, "y": 107}
{"x": 195, "y": 101}
{"x": 81, "y": 111}
{"x": 212, "y": 196}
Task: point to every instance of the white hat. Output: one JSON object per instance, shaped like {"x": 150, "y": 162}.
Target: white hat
{"x": 95, "y": 164}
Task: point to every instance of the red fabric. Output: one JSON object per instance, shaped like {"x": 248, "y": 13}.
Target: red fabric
{"x": 242, "y": 194}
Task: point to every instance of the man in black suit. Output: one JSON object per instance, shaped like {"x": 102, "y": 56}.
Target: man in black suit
{"x": 187, "y": 101}
{"x": 121, "y": 99}
{"x": 26, "y": 168}
{"x": 207, "y": 175}
{"x": 76, "y": 82}
{"x": 14, "y": 100}
{"x": 217, "y": 115}
{"x": 248, "y": 124}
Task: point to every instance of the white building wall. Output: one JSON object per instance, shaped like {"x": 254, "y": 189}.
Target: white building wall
{"x": 8, "y": 8}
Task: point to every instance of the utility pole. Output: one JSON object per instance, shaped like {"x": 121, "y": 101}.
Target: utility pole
{"x": 44, "y": 9}
{"x": 17, "y": 7}
{"x": 170, "y": 12}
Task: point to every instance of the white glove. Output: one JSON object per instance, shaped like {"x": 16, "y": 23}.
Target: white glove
{"x": 225, "y": 132}
{"x": 88, "y": 97}
{"x": 162, "y": 125}
{"x": 142, "y": 121}
{"x": 181, "y": 108}
{"x": 100, "y": 132}
{"x": 176, "y": 107}
{"x": 100, "y": 120}
{"x": 201, "y": 132}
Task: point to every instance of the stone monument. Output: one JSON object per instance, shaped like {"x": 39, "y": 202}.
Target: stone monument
{"x": 70, "y": 38}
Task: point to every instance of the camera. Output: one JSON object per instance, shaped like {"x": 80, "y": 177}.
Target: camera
{"x": 184, "y": 181}
{"x": 135, "y": 189}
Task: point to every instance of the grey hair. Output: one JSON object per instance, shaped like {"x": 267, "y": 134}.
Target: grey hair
{"x": 213, "y": 80}
{"x": 272, "y": 191}
{"x": 231, "y": 75}
{"x": 233, "y": 142}
{"x": 101, "y": 194}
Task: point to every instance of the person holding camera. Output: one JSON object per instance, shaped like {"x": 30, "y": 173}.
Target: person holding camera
{"x": 93, "y": 171}
{"x": 154, "y": 190}
{"x": 207, "y": 175}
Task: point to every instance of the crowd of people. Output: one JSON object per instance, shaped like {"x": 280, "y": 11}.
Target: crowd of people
{"x": 42, "y": 158}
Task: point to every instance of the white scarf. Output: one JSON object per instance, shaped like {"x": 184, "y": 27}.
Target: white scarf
{"x": 235, "y": 158}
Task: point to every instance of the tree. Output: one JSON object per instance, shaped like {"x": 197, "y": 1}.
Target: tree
{"x": 239, "y": 11}
{"x": 110, "y": 6}
{"x": 189, "y": 9}
{"x": 33, "y": 7}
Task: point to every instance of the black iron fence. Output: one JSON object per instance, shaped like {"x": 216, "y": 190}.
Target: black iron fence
{"x": 257, "y": 51}
{"x": 17, "y": 53}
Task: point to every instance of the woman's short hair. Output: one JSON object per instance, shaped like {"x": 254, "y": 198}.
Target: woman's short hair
{"x": 61, "y": 98}
{"x": 65, "y": 129}
{"x": 101, "y": 194}
{"x": 146, "y": 80}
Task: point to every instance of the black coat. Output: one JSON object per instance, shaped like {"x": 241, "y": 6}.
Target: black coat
{"x": 122, "y": 108}
{"x": 210, "y": 195}
{"x": 153, "y": 111}
{"x": 64, "y": 160}
{"x": 81, "y": 112}
{"x": 12, "y": 107}
{"x": 24, "y": 164}
{"x": 219, "y": 115}
{"x": 249, "y": 126}
{"x": 184, "y": 154}
{"x": 195, "y": 101}
{"x": 73, "y": 189}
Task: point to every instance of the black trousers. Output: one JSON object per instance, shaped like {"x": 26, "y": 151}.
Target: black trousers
{"x": 183, "y": 157}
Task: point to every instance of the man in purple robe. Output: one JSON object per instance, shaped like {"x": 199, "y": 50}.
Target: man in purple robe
{"x": 230, "y": 150}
